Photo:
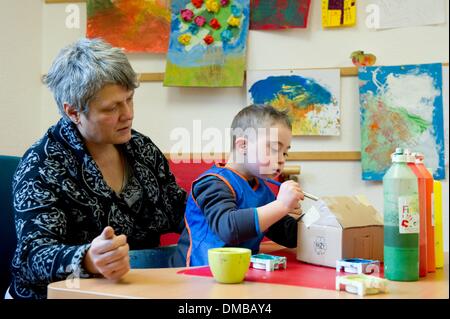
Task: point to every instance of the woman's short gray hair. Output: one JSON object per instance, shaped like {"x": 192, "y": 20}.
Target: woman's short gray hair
{"x": 83, "y": 68}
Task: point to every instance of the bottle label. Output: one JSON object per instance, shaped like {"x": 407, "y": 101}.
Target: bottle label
{"x": 408, "y": 215}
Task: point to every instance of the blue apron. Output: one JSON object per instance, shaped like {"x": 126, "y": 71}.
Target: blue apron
{"x": 204, "y": 238}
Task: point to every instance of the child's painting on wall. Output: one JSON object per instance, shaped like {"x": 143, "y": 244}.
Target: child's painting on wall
{"x": 208, "y": 43}
{"x": 278, "y": 14}
{"x": 401, "y": 106}
{"x": 311, "y": 97}
{"x": 134, "y": 25}
{"x": 338, "y": 13}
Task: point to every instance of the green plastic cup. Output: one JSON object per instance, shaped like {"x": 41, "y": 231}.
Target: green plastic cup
{"x": 229, "y": 264}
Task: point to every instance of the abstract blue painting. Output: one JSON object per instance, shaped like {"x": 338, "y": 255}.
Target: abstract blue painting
{"x": 401, "y": 106}
{"x": 311, "y": 97}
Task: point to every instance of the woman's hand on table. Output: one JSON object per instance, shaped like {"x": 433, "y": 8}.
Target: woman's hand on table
{"x": 108, "y": 255}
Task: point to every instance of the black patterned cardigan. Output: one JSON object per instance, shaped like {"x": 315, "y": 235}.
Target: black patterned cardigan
{"x": 62, "y": 203}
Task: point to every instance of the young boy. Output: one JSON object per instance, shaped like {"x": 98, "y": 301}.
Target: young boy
{"x": 231, "y": 204}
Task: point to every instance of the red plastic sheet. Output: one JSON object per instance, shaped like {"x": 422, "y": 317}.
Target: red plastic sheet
{"x": 296, "y": 274}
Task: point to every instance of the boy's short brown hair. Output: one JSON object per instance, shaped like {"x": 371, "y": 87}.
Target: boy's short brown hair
{"x": 257, "y": 116}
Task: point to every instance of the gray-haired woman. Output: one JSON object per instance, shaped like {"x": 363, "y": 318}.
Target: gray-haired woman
{"x": 92, "y": 188}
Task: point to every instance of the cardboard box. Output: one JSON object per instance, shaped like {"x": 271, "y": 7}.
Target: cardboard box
{"x": 340, "y": 227}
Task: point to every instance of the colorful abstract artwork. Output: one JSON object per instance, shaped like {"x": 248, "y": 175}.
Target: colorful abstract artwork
{"x": 208, "y": 43}
{"x": 310, "y": 96}
{"x": 401, "y": 106}
{"x": 134, "y": 25}
{"x": 278, "y": 14}
{"x": 338, "y": 13}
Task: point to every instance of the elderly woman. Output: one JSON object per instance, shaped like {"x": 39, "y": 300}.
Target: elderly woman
{"x": 91, "y": 188}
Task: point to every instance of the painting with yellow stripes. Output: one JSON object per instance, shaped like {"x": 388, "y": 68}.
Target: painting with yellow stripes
{"x": 338, "y": 13}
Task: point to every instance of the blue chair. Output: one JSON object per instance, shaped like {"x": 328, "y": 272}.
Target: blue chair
{"x": 8, "y": 241}
{"x": 151, "y": 258}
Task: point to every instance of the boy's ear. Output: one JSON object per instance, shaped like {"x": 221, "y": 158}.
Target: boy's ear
{"x": 241, "y": 145}
{"x": 72, "y": 113}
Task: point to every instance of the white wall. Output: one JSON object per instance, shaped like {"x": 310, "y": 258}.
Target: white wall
{"x": 159, "y": 110}
{"x": 20, "y": 72}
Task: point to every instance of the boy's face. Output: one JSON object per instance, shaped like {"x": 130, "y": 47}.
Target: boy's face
{"x": 266, "y": 154}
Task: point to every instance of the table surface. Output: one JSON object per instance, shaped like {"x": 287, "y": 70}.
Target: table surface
{"x": 165, "y": 283}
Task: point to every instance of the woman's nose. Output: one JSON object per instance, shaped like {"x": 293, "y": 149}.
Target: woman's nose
{"x": 128, "y": 112}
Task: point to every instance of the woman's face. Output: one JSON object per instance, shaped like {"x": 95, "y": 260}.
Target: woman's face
{"x": 110, "y": 116}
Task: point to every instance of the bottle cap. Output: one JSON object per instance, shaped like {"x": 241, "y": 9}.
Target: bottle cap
{"x": 419, "y": 157}
{"x": 398, "y": 156}
{"x": 410, "y": 158}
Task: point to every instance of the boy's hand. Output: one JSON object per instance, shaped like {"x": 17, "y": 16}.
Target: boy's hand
{"x": 108, "y": 255}
{"x": 297, "y": 211}
{"x": 290, "y": 194}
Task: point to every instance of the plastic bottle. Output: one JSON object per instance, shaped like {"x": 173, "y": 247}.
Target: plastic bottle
{"x": 401, "y": 221}
{"x": 431, "y": 262}
{"x": 438, "y": 234}
{"x": 421, "y": 183}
